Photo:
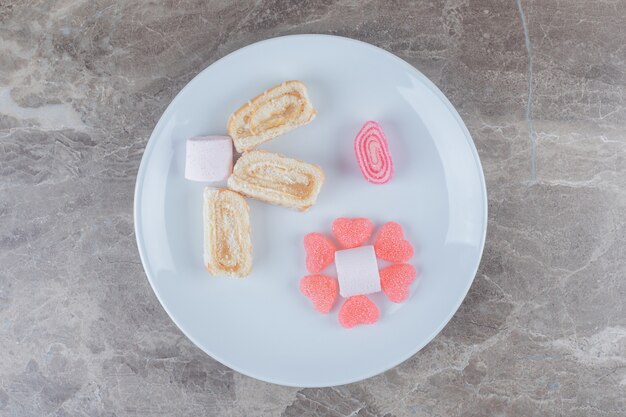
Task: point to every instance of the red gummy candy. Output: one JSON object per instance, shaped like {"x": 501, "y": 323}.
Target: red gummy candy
{"x": 390, "y": 244}
{"x": 320, "y": 252}
{"x": 352, "y": 232}
{"x": 358, "y": 309}
{"x": 395, "y": 281}
{"x": 322, "y": 291}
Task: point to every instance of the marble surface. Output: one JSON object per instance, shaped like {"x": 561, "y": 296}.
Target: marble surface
{"x": 541, "y": 86}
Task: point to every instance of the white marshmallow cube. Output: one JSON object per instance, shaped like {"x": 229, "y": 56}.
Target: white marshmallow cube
{"x": 209, "y": 158}
{"x": 357, "y": 271}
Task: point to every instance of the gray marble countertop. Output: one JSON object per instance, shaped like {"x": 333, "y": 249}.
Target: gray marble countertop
{"x": 543, "y": 329}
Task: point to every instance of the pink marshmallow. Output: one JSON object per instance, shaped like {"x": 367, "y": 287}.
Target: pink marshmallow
{"x": 209, "y": 158}
{"x": 357, "y": 271}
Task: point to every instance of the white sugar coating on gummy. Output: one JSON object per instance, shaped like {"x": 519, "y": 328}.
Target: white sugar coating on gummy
{"x": 357, "y": 271}
{"x": 209, "y": 158}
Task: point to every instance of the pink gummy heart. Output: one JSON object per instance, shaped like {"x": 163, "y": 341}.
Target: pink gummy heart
{"x": 390, "y": 244}
{"x": 322, "y": 291}
{"x": 320, "y": 252}
{"x": 352, "y": 232}
{"x": 395, "y": 281}
{"x": 358, "y": 309}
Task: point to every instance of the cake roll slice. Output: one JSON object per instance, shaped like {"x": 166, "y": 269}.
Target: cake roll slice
{"x": 276, "y": 179}
{"x": 276, "y": 111}
{"x": 227, "y": 242}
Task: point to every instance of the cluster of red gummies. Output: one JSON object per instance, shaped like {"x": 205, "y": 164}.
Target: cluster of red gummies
{"x": 389, "y": 245}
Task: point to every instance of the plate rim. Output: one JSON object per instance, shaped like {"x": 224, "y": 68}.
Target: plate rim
{"x": 139, "y": 232}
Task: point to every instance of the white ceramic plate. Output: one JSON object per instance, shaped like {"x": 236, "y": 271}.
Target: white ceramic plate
{"x": 262, "y": 326}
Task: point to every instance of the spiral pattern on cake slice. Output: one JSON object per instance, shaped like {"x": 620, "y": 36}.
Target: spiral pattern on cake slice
{"x": 372, "y": 154}
{"x": 277, "y": 111}
{"x": 277, "y": 179}
{"x": 227, "y": 241}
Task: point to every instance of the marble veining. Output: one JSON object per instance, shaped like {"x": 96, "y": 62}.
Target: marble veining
{"x": 541, "y": 85}
{"x": 529, "y": 101}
